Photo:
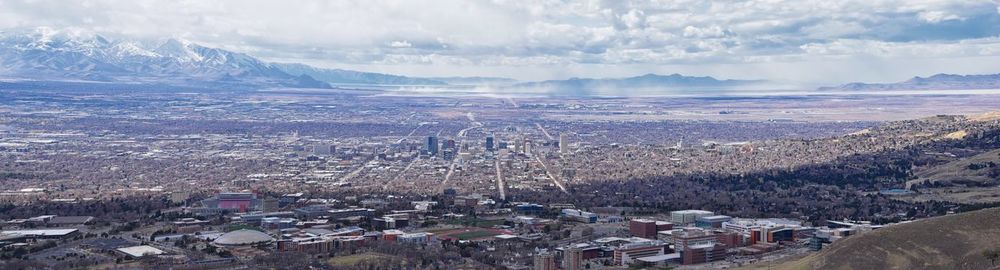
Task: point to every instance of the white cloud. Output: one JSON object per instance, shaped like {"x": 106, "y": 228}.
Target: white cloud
{"x": 937, "y": 16}
{"x": 634, "y": 18}
{"x": 908, "y": 50}
{"x": 400, "y": 44}
{"x": 713, "y": 31}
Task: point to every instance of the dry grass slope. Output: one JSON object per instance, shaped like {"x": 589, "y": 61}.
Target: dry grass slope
{"x": 959, "y": 170}
{"x": 989, "y": 116}
{"x": 948, "y": 242}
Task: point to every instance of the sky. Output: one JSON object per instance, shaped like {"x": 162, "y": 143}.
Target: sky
{"x": 807, "y": 41}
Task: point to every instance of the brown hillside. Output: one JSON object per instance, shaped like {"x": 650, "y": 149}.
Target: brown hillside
{"x": 960, "y": 170}
{"x": 948, "y": 242}
{"x": 989, "y": 116}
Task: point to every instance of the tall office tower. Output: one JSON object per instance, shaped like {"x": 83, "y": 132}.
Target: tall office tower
{"x": 527, "y": 147}
{"x": 518, "y": 146}
{"x": 489, "y": 143}
{"x": 563, "y": 144}
{"x": 572, "y": 259}
{"x": 450, "y": 144}
{"x": 545, "y": 261}
{"x": 432, "y": 145}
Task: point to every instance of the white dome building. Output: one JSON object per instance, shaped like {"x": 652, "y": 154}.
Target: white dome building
{"x": 242, "y": 238}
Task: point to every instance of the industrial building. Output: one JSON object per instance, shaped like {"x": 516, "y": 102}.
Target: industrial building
{"x": 24, "y": 235}
{"x": 578, "y": 215}
{"x": 645, "y": 228}
{"x": 628, "y": 253}
{"x": 711, "y": 221}
{"x": 139, "y": 251}
{"x": 687, "y": 217}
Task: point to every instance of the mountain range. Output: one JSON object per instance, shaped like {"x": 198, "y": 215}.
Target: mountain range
{"x": 935, "y": 82}
{"x": 60, "y": 55}
{"x": 44, "y": 54}
{"x": 341, "y": 76}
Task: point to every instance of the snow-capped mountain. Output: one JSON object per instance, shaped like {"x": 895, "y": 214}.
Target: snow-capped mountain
{"x": 45, "y": 53}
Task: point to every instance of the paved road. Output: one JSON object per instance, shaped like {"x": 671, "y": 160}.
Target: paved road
{"x": 461, "y": 133}
{"x": 500, "y": 185}
{"x": 394, "y": 179}
{"x": 544, "y": 131}
{"x": 411, "y": 133}
{"x": 551, "y": 176}
{"x": 475, "y": 125}
{"x": 353, "y": 174}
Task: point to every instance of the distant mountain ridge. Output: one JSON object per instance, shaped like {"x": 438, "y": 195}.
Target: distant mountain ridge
{"x": 46, "y": 54}
{"x": 341, "y": 76}
{"x": 51, "y": 54}
{"x": 935, "y": 82}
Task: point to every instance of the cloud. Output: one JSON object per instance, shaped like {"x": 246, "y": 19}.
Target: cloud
{"x": 938, "y": 16}
{"x": 400, "y": 44}
{"x": 453, "y": 36}
{"x": 634, "y": 18}
{"x": 882, "y": 49}
{"x": 713, "y": 31}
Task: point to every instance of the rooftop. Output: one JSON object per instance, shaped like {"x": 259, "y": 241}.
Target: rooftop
{"x": 140, "y": 251}
{"x": 243, "y": 237}
{"x": 42, "y": 232}
{"x": 71, "y": 219}
{"x": 660, "y": 258}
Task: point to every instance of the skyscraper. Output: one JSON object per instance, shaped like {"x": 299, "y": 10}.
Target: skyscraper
{"x": 563, "y": 144}
{"x": 432, "y": 145}
{"x": 545, "y": 261}
{"x": 572, "y": 259}
{"x": 489, "y": 143}
{"x": 527, "y": 147}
